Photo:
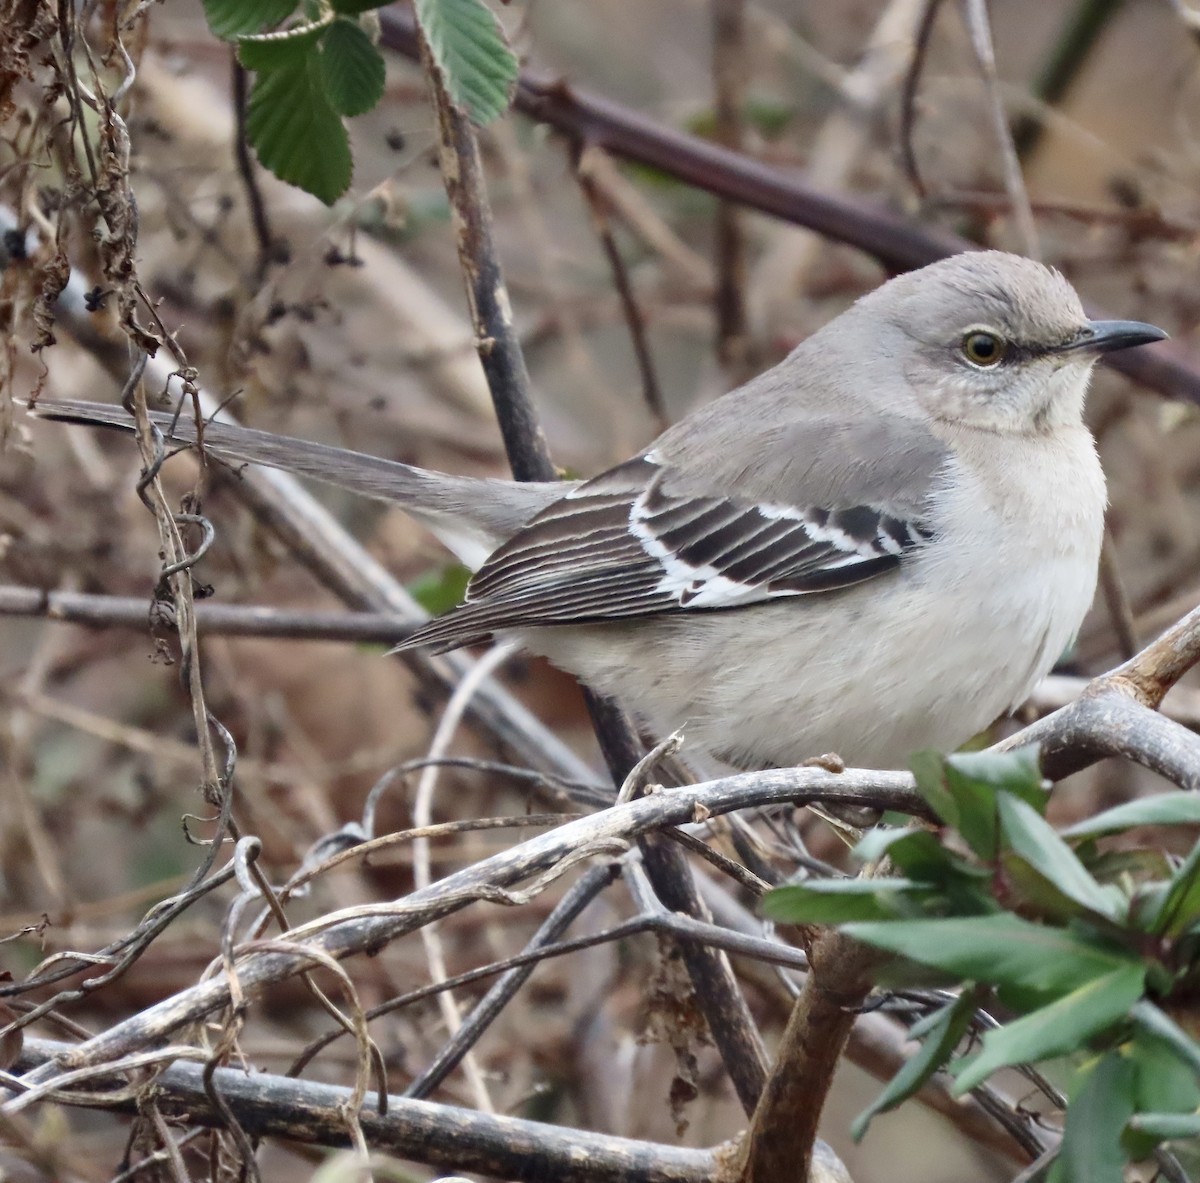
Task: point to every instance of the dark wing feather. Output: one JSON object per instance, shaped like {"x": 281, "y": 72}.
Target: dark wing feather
{"x": 623, "y": 546}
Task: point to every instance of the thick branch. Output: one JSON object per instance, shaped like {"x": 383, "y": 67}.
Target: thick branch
{"x": 1117, "y": 715}
{"x": 779, "y": 1144}
{"x": 438, "y": 1135}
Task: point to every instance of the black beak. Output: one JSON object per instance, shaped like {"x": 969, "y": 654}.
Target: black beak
{"x": 1106, "y": 336}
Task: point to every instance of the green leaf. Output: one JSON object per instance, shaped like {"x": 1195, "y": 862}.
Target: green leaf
{"x": 769, "y": 116}
{"x": 1032, "y": 894}
{"x": 1140, "y": 866}
{"x": 979, "y": 780}
{"x": 945, "y": 1029}
{"x": 1164, "y": 1127}
{"x": 914, "y": 850}
{"x": 1164, "y": 809}
{"x": 1034, "y": 840}
{"x": 296, "y": 131}
{"x": 232, "y": 18}
{"x": 1165, "y": 1083}
{"x": 1001, "y": 949}
{"x": 955, "y": 886}
{"x": 1017, "y": 772}
{"x": 1157, "y": 1022}
{"x": 1091, "y": 1145}
{"x": 1182, "y": 904}
{"x": 440, "y": 590}
{"x": 1063, "y": 1026}
{"x": 353, "y": 69}
{"x": 274, "y": 51}
{"x": 834, "y": 901}
{"x": 929, "y": 769}
{"x": 471, "y": 55}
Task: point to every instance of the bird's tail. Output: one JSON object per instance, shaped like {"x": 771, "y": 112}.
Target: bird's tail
{"x": 471, "y": 515}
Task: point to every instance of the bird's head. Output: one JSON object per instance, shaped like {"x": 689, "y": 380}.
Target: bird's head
{"x": 994, "y": 341}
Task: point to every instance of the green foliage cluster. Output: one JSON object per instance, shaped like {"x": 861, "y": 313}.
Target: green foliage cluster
{"x": 1092, "y": 947}
{"x": 315, "y": 64}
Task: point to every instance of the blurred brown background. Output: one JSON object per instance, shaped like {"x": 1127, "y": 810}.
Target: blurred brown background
{"x": 96, "y": 762}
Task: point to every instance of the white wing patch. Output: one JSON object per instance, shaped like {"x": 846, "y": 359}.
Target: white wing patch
{"x": 731, "y": 536}
{"x": 624, "y": 545}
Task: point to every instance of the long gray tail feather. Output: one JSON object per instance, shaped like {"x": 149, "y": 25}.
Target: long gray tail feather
{"x": 487, "y": 511}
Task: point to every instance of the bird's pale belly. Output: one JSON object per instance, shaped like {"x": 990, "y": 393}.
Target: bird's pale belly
{"x": 780, "y": 683}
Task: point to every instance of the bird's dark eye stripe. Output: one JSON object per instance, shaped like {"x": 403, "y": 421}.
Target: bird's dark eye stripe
{"x": 1015, "y": 353}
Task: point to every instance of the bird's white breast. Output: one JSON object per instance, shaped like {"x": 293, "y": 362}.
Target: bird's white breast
{"x": 923, "y": 658}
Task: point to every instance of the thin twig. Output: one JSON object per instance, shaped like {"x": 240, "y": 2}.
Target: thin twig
{"x": 491, "y": 313}
{"x": 682, "y": 928}
{"x": 488, "y": 1008}
{"x": 422, "y": 871}
{"x": 730, "y": 72}
{"x": 245, "y": 165}
{"x": 1115, "y": 599}
{"x": 980, "y": 29}
{"x": 228, "y": 620}
{"x": 634, "y": 321}
{"x": 908, "y": 96}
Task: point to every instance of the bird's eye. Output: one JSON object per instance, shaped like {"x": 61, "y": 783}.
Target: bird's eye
{"x": 983, "y": 349}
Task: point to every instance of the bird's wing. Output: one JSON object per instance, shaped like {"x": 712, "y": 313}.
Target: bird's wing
{"x": 626, "y": 545}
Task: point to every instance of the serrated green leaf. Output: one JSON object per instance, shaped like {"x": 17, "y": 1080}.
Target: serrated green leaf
{"x": 1099, "y": 1109}
{"x": 353, "y": 69}
{"x": 273, "y": 51}
{"x": 1001, "y": 949}
{"x": 1164, "y": 809}
{"x": 1182, "y": 903}
{"x": 233, "y": 18}
{"x": 471, "y": 55}
{"x": 834, "y": 901}
{"x": 1034, "y": 840}
{"x": 945, "y": 1029}
{"x": 1054, "y": 1030}
{"x": 440, "y": 590}
{"x": 295, "y": 131}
